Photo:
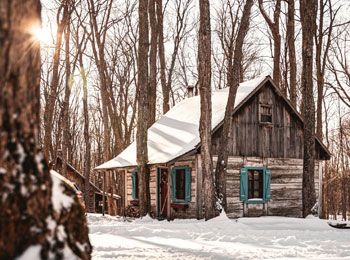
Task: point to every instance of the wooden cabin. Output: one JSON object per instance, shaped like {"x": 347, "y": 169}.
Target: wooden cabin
{"x": 265, "y": 165}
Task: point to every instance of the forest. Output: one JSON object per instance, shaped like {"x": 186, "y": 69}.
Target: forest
{"x": 97, "y": 74}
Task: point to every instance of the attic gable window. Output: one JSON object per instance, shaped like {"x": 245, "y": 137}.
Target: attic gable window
{"x": 265, "y": 114}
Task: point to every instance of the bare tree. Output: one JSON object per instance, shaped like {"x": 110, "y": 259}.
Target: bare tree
{"x": 322, "y": 48}
{"x": 52, "y": 97}
{"x": 204, "y": 73}
{"x": 220, "y": 173}
{"x": 308, "y": 13}
{"x": 274, "y": 28}
{"x": 291, "y": 52}
{"x": 182, "y": 8}
{"x": 143, "y": 109}
{"x": 153, "y": 63}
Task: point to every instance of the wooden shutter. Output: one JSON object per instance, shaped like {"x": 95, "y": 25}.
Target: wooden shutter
{"x": 188, "y": 185}
{"x": 134, "y": 182}
{"x": 244, "y": 184}
{"x": 173, "y": 184}
{"x": 267, "y": 181}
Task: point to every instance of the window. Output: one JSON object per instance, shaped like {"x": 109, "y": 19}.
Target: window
{"x": 265, "y": 113}
{"x": 135, "y": 185}
{"x": 181, "y": 184}
{"x": 255, "y": 185}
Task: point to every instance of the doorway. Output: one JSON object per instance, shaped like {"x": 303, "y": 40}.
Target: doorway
{"x": 162, "y": 194}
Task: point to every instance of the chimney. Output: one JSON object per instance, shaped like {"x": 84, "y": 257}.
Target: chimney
{"x": 190, "y": 91}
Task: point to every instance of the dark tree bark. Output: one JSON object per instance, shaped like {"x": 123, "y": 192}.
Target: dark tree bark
{"x": 28, "y": 215}
{"x": 153, "y": 63}
{"x": 143, "y": 108}
{"x": 220, "y": 173}
{"x": 165, "y": 90}
{"x": 87, "y": 141}
{"x": 65, "y": 132}
{"x": 308, "y": 12}
{"x": 321, "y": 58}
{"x": 274, "y": 27}
{"x": 204, "y": 74}
{"x": 291, "y": 53}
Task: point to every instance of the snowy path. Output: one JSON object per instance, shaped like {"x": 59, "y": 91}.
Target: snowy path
{"x": 221, "y": 238}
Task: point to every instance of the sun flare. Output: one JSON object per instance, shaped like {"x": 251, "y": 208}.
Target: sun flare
{"x": 42, "y": 34}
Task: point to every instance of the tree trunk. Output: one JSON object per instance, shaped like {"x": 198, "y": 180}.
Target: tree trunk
{"x": 143, "y": 108}
{"x": 220, "y": 173}
{"x": 204, "y": 74}
{"x": 153, "y": 64}
{"x": 28, "y": 216}
{"x": 106, "y": 107}
{"x": 308, "y": 11}
{"x": 50, "y": 103}
{"x": 274, "y": 28}
{"x": 65, "y": 132}
{"x": 291, "y": 53}
{"x": 165, "y": 90}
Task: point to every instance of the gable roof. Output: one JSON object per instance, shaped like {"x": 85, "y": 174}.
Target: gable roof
{"x": 177, "y": 131}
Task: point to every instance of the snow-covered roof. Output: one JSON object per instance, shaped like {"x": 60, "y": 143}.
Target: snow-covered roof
{"x": 177, "y": 131}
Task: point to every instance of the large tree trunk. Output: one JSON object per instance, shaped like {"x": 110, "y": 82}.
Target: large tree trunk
{"x": 204, "y": 74}
{"x": 28, "y": 215}
{"x": 221, "y": 166}
{"x": 291, "y": 53}
{"x": 308, "y": 11}
{"x": 143, "y": 109}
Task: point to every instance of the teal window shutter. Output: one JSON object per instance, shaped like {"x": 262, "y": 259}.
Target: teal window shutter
{"x": 188, "y": 184}
{"x": 173, "y": 184}
{"x": 134, "y": 185}
{"x": 267, "y": 182}
{"x": 244, "y": 184}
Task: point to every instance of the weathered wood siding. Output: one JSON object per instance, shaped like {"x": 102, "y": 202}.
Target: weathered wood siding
{"x": 282, "y": 139}
{"x": 152, "y": 187}
{"x": 191, "y": 211}
{"x": 286, "y": 187}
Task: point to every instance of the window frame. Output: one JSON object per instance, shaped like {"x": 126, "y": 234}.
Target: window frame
{"x": 244, "y": 185}
{"x": 188, "y": 176}
{"x": 252, "y": 183}
{"x": 260, "y": 113}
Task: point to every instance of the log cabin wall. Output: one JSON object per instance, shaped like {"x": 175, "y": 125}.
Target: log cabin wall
{"x": 191, "y": 211}
{"x": 283, "y": 138}
{"x": 286, "y": 187}
{"x": 152, "y": 186}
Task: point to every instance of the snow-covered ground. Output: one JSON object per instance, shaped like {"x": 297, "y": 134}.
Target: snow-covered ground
{"x": 220, "y": 238}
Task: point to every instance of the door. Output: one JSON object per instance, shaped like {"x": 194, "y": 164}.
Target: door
{"x": 162, "y": 192}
